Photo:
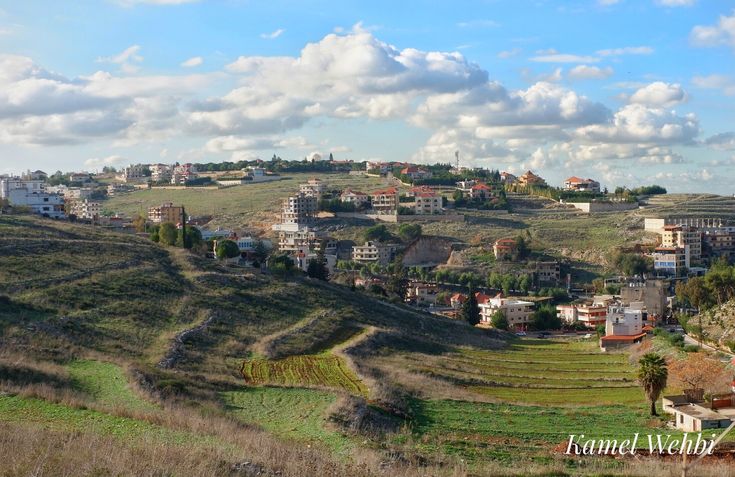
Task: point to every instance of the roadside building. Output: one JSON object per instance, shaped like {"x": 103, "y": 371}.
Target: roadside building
{"x": 693, "y": 416}
{"x": 589, "y": 315}
{"x": 623, "y": 327}
{"x": 517, "y": 312}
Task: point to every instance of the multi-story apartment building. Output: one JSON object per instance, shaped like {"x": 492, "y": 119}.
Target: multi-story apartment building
{"x": 672, "y": 261}
{"x": 354, "y": 197}
{"x": 686, "y": 237}
{"x": 373, "y": 252}
{"x": 32, "y": 193}
{"x": 161, "y": 172}
{"x": 428, "y": 203}
{"x": 517, "y": 312}
{"x": 298, "y": 209}
{"x": 313, "y": 187}
{"x": 578, "y": 184}
{"x": 591, "y": 315}
{"x": 385, "y": 201}
{"x": 547, "y": 272}
{"x": 167, "y": 212}
{"x": 652, "y": 293}
{"x": 133, "y": 173}
{"x": 183, "y": 173}
{"x": 85, "y": 209}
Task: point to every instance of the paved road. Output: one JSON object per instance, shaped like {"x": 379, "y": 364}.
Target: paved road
{"x": 691, "y": 341}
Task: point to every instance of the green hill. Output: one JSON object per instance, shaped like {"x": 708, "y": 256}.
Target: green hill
{"x": 156, "y": 352}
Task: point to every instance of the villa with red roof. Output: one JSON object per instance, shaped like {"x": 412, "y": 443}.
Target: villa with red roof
{"x": 505, "y": 248}
{"x": 578, "y": 184}
{"x": 385, "y": 201}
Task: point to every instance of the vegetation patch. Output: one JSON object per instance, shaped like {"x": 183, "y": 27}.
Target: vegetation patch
{"x": 323, "y": 370}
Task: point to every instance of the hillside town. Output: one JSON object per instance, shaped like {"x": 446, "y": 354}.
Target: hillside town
{"x": 537, "y": 293}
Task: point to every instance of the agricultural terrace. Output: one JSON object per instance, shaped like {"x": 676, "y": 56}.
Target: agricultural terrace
{"x": 323, "y": 370}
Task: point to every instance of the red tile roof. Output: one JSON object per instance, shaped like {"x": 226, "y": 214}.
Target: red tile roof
{"x": 480, "y": 186}
{"x": 622, "y": 338}
{"x": 388, "y": 191}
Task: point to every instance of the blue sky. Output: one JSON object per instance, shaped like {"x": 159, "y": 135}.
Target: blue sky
{"x": 627, "y": 92}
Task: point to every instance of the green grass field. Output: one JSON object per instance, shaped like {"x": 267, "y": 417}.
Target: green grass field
{"x": 107, "y": 384}
{"x": 298, "y": 414}
{"x": 323, "y": 370}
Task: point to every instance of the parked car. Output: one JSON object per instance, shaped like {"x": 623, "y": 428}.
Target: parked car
{"x": 587, "y": 336}
{"x": 521, "y": 333}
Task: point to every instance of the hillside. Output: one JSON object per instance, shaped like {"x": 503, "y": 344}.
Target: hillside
{"x": 185, "y": 367}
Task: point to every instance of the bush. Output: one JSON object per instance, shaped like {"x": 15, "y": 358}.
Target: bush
{"x": 691, "y": 348}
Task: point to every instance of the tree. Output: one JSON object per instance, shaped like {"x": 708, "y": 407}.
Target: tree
{"x": 631, "y": 264}
{"x": 409, "y": 232}
{"x": 652, "y": 376}
{"x": 317, "y": 268}
{"x": 398, "y": 282}
{"x": 378, "y": 232}
{"x": 260, "y": 251}
{"x": 470, "y": 311}
{"x": 226, "y": 249}
{"x": 545, "y": 318}
{"x": 139, "y": 224}
{"x": 167, "y": 233}
{"x": 280, "y": 263}
{"x": 499, "y": 320}
{"x": 192, "y": 239}
{"x": 699, "y": 372}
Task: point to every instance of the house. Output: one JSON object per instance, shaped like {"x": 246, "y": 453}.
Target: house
{"x": 166, "y": 212}
{"x": 623, "y": 327}
{"x": 160, "y": 172}
{"x": 505, "y": 249}
{"x": 456, "y": 300}
{"x": 258, "y": 174}
{"x": 481, "y": 191}
{"x": 422, "y": 294}
{"x": 517, "y": 312}
{"x": 133, "y": 173}
{"x": 508, "y": 178}
{"x": 578, "y": 184}
{"x": 418, "y": 190}
{"x": 85, "y": 209}
{"x": 294, "y": 238}
{"x": 34, "y": 176}
{"x": 313, "y": 187}
{"x": 354, "y": 197}
{"x": 428, "y": 203}
{"x": 416, "y": 173}
{"x": 378, "y": 167}
{"x": 303, "y": 256}
{"x": 373, "y": 252}
{"x": 80, "y": 177}
{"x": 30, "y": 186}
{"x": 42, "y": 203}
{"x": 466, "y": 185}
{"x": 531, "y": 179}
{"x": 385, "y": 201}
{"x": 693, "y": 416}
{"x": 547, "y": 272}
{"x": 114, "y": 188}
{"x": 672, "y": 261}
{"x": 183, "y": 173}
{"x": 590, "y": 315}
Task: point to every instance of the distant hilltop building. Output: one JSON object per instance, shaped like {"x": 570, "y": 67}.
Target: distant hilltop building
{"x": 133, "y": 173}
{"x": 531, "y": 179}
{"x": 578, "y": 184}
{"x": 508, "y": 178}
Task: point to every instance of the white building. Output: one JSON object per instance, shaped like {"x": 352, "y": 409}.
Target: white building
{"x": 31, "y": 186}
{"x": 428, "y": 203}
{"x": 85, "y": 209}
{"x": 43, "y": 203}
{"x": 354, "y": 197}
{"x": 517, "y": 312}
{"x": 133, "y": 173}
{"x": 183, "y": 173}
{"x": 313, "y": 187}
{"x": 373, "y": 252}
{"x": 161, "y": 172}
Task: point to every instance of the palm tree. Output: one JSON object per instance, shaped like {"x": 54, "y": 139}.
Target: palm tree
{"x": 652, "y": 375}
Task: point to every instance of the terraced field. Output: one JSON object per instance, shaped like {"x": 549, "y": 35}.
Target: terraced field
{"x": 322, "y": 370}
{"x": 560, "y": 372}
{"x": 299, "y": 414}
{"x": 691, "y": 205}
{"x": 107, "y": 384}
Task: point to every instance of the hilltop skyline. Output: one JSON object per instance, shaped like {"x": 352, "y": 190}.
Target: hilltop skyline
{"x": 626, "y": 92}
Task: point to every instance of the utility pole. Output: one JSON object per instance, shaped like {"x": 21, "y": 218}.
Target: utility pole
{"x": 183, "y": 228}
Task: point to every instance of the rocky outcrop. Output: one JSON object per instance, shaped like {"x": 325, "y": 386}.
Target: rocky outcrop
{"x": 428, "y": 251}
